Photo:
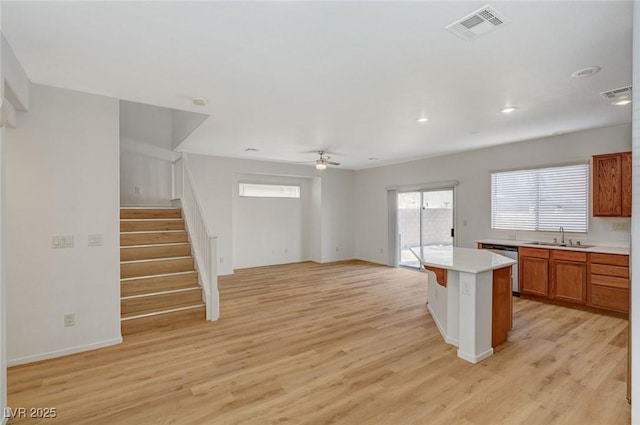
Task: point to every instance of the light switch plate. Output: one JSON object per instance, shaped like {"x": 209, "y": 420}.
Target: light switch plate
{"x": 95, "y": 240}
{"x": 62, "y": 241}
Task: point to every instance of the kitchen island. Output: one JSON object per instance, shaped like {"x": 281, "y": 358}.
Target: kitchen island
{"x": 469, "y": 297}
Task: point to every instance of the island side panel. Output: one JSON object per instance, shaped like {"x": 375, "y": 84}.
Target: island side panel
{"x": 453, "y": 308}
{"x": 476, "y": 295}
{"x": 502, "y": 306}
{"x": 437, "y": 303}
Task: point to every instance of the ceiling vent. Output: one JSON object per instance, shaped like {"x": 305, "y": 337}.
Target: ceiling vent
{"x": 616, "y": 93}
{"x": 480, "y": 22}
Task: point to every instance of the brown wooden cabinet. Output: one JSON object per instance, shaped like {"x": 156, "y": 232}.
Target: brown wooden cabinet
{"x": 568, "y": 276}
{"x": 533, "y": 276}
{"x": 609, "y": 282}
{"x": 600, "y": 281}
{"x": 612, "y": 185}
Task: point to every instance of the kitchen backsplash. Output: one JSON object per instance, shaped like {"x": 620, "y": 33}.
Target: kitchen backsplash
{"x": 603, "y": 231}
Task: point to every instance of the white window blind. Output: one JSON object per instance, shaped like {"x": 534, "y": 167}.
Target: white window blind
{"x": 256, "y": 190}
{"x": 541, "y": 199}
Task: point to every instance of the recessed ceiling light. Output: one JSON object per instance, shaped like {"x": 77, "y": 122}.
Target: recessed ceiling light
{"x": 508, "y": 109}
{"x": 585, "y": 72}
{"x": 251, "y": 150}
{"x": 199, "y": 101}
{"x": 557, "y": 133}
{"x": 373, "y": 158}
{"x": 422, "y": 119}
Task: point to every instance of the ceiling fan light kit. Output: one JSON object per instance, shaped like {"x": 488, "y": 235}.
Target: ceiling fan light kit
{"x": 323, "y": 162}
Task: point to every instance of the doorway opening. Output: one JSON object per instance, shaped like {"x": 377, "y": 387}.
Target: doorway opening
{"x": 425, "y": 218}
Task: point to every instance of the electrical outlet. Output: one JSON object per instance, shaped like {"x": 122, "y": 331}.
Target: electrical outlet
{"x": 620, "y": 227}
{"x": 69, "y": 320}
{"x": 221, "y": 260}
{"x": 137, "y": 190}
{"x": 512, "y": 236}
{"x": 337, "y": 249}
{"x": 95, "y": 240}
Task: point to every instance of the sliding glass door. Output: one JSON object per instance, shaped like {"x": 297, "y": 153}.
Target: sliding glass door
{"x": 425, "y": 218}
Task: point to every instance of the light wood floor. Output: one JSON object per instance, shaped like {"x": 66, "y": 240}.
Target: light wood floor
{"x": 344, "y": 343}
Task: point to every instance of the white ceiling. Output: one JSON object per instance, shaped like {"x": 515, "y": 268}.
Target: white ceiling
{"x": 349, "y": 77}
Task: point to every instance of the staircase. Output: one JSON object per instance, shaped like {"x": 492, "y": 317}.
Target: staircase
{"x": 158, "y": 281}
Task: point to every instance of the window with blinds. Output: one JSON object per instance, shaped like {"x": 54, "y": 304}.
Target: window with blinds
{"x": 541, "y": 199}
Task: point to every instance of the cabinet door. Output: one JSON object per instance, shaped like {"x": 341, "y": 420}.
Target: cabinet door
{"x": 569, "y": 281}
{"x": 607, "y": 185}
{"x": 534, "y": 276}
{"x": 626, "y": 184}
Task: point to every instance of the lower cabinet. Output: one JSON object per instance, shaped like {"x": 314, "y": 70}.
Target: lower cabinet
{"x": 573, "y": 277}
{"x": 568, "y": 276}
{"x": 534, "y": 276}
{"x": 609, "y": 282}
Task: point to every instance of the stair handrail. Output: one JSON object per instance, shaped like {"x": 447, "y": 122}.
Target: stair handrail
{"x": 203, "y": 241}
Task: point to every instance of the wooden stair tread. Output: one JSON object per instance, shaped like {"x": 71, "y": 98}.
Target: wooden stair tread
{"x": 156, "y": 267}
{"x": 161, "y": 302}
{"x": 141, "y": 213}
{"x": 151, "y": 238}
{"x": 153, "y": 224}
{"x": 151, "y": 252}
{"x": 170, "y": 320}
{"x": 158, "y": 284}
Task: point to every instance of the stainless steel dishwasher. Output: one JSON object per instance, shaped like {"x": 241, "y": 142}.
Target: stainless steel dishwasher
{"x": 508, "y": 251}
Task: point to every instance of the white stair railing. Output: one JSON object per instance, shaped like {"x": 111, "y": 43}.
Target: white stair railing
{"x": 204, "y": 244}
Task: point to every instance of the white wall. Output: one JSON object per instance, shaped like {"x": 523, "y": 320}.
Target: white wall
{"x": 62, "y": 179}
{"x": 3, "y": 296}
{"x": 214, "y": 178}
{"x": 271, "y": 230}
{"x": 338, "y": 218}
{"x": 145, "y": 155}
{"x": 635, "y": 229}
{"x": 472, "y": 170}
{"x": 14, "y": 84}
{"x": 14, "y": 78}
{"x": 183, "y": 123}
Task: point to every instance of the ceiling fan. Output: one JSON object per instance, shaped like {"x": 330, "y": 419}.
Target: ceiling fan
{"x": 323, "y": 161}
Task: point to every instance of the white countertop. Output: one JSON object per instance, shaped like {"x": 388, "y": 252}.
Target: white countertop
{"x": 461, "y": 259}
{"x": 599, "y": 249}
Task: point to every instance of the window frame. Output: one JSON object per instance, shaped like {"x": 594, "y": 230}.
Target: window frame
{"x": 241, "y": 184}
{"x": 538, "y": 220}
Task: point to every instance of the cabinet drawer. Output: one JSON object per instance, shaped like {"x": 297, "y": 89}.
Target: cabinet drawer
{"x": 612, "y": 259}
{"x": 610, "y": 298}
{"x": 615, "y": 271}
{"x": 533, "y": 252}
{"x": 613, "y": 282}
{"x": 569, "y": 255}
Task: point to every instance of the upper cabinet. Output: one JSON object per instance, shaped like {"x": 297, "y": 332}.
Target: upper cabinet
{"x": 612, "y": 185}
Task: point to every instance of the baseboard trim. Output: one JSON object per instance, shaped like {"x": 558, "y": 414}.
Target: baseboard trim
{"x": 371, "y": 261}
{"x": 4, "y": 421}
{"x": 61, "y": 353}
{"x": 475, "y": 358}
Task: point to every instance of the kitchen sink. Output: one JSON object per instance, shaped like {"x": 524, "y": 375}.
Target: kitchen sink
{"x": 564, "y": 245}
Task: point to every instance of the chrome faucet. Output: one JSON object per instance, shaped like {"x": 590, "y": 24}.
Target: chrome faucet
{"x": 561, "y": 235}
